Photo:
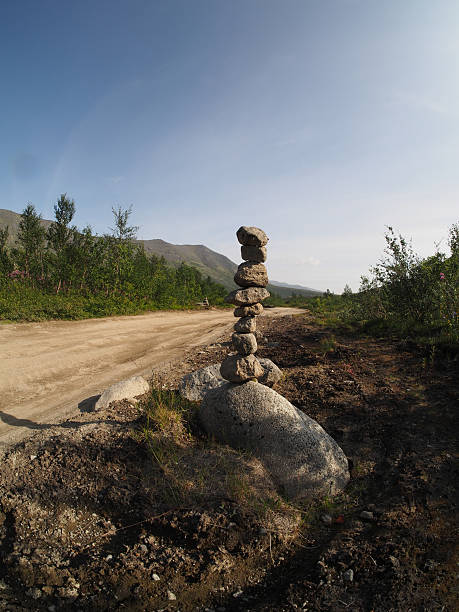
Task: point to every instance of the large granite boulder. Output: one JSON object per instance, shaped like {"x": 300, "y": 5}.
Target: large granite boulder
{"x": 302, "y": 458}
{"x": 125, "y": 389}
{"x": 195, "y": 385}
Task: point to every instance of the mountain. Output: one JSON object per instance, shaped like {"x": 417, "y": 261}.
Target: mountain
{"x": 208, "y": 262}
{"x": 11, "y": 219}
{"x": 297, "y": 288}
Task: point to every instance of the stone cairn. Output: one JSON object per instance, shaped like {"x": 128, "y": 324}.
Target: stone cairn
{"x": 252, "y": 276}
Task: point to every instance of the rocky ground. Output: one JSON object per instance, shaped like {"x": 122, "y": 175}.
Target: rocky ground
{"x": 113, "y": 511}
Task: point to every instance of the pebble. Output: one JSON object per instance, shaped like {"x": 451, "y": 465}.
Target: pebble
{"x": 108, "y": 557}
{"x": 171, "y": 596}
{"x": 430, "y": 564}
{"x": 326, "y": 519}
{"x": 156, "y": 577}
{"x": 143, "y": 548}
{"x": 32, "y": 457}
{"x": 349, "y": 575}
{"x": 366, "y": 516}
{"x": 262, "y": 531}
{"x": 238, "y": 593}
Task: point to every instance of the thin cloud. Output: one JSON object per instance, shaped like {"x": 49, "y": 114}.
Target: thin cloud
{"x": 419, "y": 102}
{"x": 310, "y": 260}
{"x": 114, "y": 180}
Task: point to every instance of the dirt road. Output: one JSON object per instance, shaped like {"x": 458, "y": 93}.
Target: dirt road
{"x": 47, "y": 369}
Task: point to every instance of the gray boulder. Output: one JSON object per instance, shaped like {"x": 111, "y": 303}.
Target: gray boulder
{"x": 259, "y": 335}
{"x": 251, "y": 274}
{"x": 272, "y": 374}
{"x": 245, "y": 297}
{"x": 244, "y": 344}
{"x": 248, "y": 311}
{"x": 246, "y": 325}
{"x": 239, "y": 369}
{"x": 302, "y": 458}
{"x": 126, "y": 389}
{"x": 251, "y": 236}
{"x": 253, "y": 253}
{"x": 194, "y": 386}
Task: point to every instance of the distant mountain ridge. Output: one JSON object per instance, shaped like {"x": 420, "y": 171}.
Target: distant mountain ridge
{"x": 11, "y": 219}
{"x": 210, "y": 263}
{"x": 296, "y": 287}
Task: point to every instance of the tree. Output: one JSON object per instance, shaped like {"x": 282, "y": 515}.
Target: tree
{"x": 85, "y": 259}
{"x": 122, "y": 231}
{"x": 347, "y": 291}
{"x": 60, "y": 238}
{"x": 31, "y": 243}
{"x": 5, "y": 261}
{"x": 122, "y": 239}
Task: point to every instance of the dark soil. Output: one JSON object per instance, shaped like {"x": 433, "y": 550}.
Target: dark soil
{"x": 83, "y": 525}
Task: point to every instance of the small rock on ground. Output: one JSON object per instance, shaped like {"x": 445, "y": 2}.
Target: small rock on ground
{"x": 125, "y": 389}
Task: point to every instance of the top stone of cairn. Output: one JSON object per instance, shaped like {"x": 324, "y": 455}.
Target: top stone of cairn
{"x": 251, "y": 236}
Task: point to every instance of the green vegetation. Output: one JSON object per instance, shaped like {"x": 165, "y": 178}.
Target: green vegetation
{"x": 404, "y": 295}
{"x": 64, "y": 273}
{"x": 189, "y": 468}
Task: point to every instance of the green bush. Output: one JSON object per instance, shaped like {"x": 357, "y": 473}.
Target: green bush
{"x": 408, "y": 296}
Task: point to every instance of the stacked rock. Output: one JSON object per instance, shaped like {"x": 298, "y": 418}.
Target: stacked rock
{"x": 252, "y": 276}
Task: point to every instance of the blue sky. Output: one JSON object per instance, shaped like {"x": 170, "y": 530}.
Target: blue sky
{"x": 321, "y": 121}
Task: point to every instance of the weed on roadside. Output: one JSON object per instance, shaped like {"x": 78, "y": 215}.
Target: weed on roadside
{"x": 193, "y": 470}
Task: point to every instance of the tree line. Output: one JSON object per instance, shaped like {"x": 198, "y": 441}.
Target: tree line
{"x": 112, "y": 270}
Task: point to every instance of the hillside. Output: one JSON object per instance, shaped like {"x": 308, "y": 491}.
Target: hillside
{"x": 208, "y": 262}
{"x": 10, "y": 219}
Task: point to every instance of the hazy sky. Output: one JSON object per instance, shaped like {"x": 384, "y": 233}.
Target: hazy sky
{"x": 321, "y": 121}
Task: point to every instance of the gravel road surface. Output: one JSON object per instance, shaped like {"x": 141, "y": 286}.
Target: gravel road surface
{"x": 50, "y": 370}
